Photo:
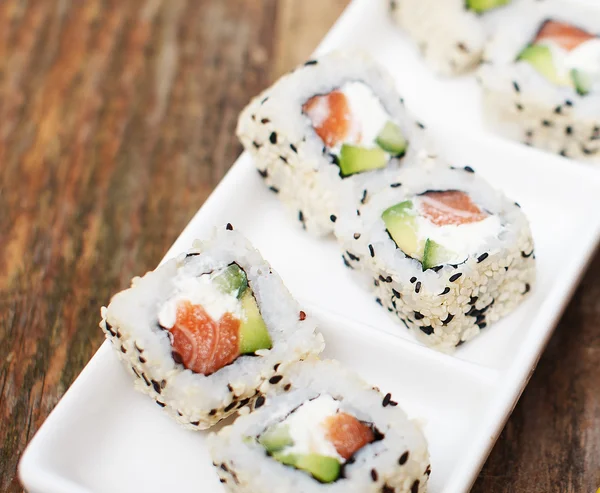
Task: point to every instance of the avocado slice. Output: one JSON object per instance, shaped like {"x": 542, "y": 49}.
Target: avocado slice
{"x": 481, "y": 6}
{"x": 355, "y": 159}
{"x": 232, "y": 279}
{"x": 253, "y": 331}
{"x": 323, "y": 468}
{"x": 581, "y": 81}
{"x": 400, "y": 221}
{"x": 276, "y": 438}
{"x": 391, "y": 140}
{"x": 540, "y": 58}
{"x": 434, "y": 254}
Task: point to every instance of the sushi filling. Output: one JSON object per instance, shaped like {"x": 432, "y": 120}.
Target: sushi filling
{"x": 481, "y": 6}
{"x": 566, "y": 56}
{"x": 318, "y": 438}
{"x": 213, "y": 319}
{"x": 440, "y": 227}
{"x": 355, "y": 128}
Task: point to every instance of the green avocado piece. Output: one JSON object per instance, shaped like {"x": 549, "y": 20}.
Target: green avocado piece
{"x": 391, "y": 140}
{"x": 323, "y": 468}
{"x": 540, "y": 58}
{"x": 354, "y": 159}
{"x": 581, "y": 81}
{"x": 276, "y": 438}
{"x": 434, "y": 254}
{"x": 253, "y": 331}
{"x": 400, "y": 221}
{"x": 232, "y": 279}
{"x": 481, "y": 6}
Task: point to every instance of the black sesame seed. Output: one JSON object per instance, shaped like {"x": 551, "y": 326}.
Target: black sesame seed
{"x": 264, "y": 100}
{"x": 428, "y": 470}
{"x": 386, "y": 399}
{"x": 482, "y": 325}
{"x": 123, "y": 349}
{"x": 403, "y": 458}
{"x": 259, "y": 401}
{"x": 418, "y": 287}
{"x": 378, "y": 300}
{"x": 256, "y": 145}
{"x": 459, "y": 343}
{"x": 428, "y": 329}
{"x": 526, "y": 255}
{"x": 529, "y": 133}
{"x": 357, "y": 212}
{"x": 275, "y": 379}
{"x": 568, "y": 102}
{"x": 516, "y": 86}
{"x": 265, "y": 120}
{"x": 568, "y": 130}
{"x": 412, "y": 280}
{"x": 420, "y": 125}
{"x": 473, "y": 300}
{"x": 482, "y": 257}
{"x": 387, "y": 489}
{"x": 146, "y": 379}
{"x": 302, "y": 315}
{"x": 243, "y": 402}
{"x": 223, "y": 480}
{"x": 156, "y": 386}
{"x": 273, "y": 138}
{"x": 356, "y": 236}
{"x": 393, "y": 403}
{"x": 212, "y": 412}
{"x": 462, "y": 47}
{"x": 395, "y": 293}
{"x": 455, "y": 277}
{"x": 118, "y": 333}
{"x": 419, "y": 316}
{"x": 229, "y": 387}
{"x": 195, "y": 423}
{"x": 375, "y": 282}
{"x": 224, "y": 467}
{"x": 415, "y": 487}
{"x": 527, "y": 288}
{"x": 374, "y": 475}
{"x": 230, "y": 406}
{"x": 263, "y": 172}
{"x": 300, "y": 216}
{"x": 137, "y": 374}
{"x": 519, "y": 106}
{"x": 274, "y": 189}
{"x": 141, "y": 359}
{"x": 333, "y": 218}
{"x": 310, "y": 62}
{"x": 518, "y": 205}
{"x": 284, "y": 159}
{"x": 468, "y": 169}
{"x": 371, "y": 250}
{"x": 287, "y": 387}
{"x": 395, "y": 185}
{"x": 563, "y": 152}
{"x": 161, "y": 404}
{"x": 346, "y": 263}
{"x": 351, "y": 256}
{"x": 448, "y": 319}
{"x": 364, "y": 197}
{"x": 275, "y": 367}
{"x": 445, "y": 291}
{"x": 546, "y": 123}
{"x": 293, "y": 148}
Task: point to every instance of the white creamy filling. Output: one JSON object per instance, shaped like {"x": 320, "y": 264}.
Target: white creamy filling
{"x": 459, "y": 240}
{"x": 198, "y": 291}
{"x": 307, "y": 428}
{"x": 368, "y": 117}
{"x": 586, "y": 57}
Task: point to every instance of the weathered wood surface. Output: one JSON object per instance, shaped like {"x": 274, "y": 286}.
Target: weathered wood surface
{"x": 117, "y": 119}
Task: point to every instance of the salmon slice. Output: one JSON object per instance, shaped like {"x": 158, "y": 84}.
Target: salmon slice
{"x": 205, "y": 345}
{"x": 567, "y": 36}
{"x": 451, "y": 207}
{"x": 330, "y": 116}
{"x": 347, "y": 434}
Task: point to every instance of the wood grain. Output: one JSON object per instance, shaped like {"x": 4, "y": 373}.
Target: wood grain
{"x": 117, "y": 120}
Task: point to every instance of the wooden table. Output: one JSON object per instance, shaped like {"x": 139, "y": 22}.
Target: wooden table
{"x": 117, "y": 120}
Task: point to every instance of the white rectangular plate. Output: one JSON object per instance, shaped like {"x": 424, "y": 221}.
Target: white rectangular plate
{"x": 104, "y": 437}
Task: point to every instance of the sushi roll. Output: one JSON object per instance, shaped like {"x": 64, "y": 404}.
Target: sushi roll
{"x": 450, "y": 34}
{"x": 202, "y": 332}
{"x": 322, "y": 429}
{"x": 446, "y": 253}
{"x": 541, "y": 80}
{"x": 323, "y": 126}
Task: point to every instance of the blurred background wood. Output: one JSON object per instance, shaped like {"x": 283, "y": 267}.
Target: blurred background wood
{"x": 117, "y": 119}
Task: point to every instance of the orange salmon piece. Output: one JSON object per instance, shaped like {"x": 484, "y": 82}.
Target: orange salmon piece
{"x": 451, "y": 207}
{"x": 347, "y": 434}
{"x": 567, "y": 36}
{"x": 330, "y": 116}
{"x": 205, "y": 345}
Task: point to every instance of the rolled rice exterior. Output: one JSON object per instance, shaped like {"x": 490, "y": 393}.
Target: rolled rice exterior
{"x": 290, "y": 156}
{"x": 197, "y": 401}
{"x": 447, "y": 305}
{"x": 522, "y": 104}
{"x": 450, "y": 37}
{"x": 398, "y": 462}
